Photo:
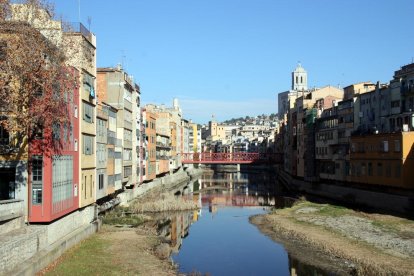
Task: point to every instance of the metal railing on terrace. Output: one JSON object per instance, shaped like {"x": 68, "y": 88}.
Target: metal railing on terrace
{"x": 77, "y": 27}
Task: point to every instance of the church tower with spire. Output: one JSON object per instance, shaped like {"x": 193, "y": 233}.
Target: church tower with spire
{"x": 299, "y": 79}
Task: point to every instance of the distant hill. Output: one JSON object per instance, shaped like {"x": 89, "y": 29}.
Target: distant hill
{"x": 248, "y": 119}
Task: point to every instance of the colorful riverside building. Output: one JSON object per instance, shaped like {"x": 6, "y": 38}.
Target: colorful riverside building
{"x": 48, "y": 188}
{"x": 118, "y": 90}
{"x": 53, "y": 176}
{"x": 150, "y": 140}
{"x": 83, "y": 57}
{"x": 385, "y": 159}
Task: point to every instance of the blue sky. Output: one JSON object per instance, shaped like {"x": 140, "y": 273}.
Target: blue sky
{"x": 230, "y": 58}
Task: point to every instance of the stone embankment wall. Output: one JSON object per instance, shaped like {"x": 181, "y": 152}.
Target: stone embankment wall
{"x": 168, "y": 181}
{"x": 370, "y": 199}
{"x": 27, "y": 250}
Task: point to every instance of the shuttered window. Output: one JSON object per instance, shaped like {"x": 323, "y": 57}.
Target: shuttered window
{"x": 88, "y": 142}
{"x": 88, "y": 112}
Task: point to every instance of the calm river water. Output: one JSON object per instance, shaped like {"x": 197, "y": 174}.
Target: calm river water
{"x": 218, "y": 239}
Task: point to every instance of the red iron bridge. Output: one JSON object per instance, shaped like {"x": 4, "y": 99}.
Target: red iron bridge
{"x": 230, "y": 158}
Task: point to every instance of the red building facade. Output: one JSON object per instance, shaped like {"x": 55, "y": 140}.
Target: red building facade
{"x": 54, "y": 174}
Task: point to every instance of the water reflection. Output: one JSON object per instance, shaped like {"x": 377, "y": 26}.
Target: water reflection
{"x": 222, "y": 241}
{"x": 240, "y": 189}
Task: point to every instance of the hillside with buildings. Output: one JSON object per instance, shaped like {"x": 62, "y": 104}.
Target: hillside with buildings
{"x": 240, "y": 135}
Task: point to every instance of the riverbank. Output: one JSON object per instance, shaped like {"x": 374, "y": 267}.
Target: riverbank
{"x": 346, "y": 241}
{"x": 29, "y": 249}
{"x": 129, "y": 243}
{"x": 113, "y": 251}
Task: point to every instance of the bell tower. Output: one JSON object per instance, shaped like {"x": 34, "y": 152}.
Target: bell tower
{"x": 299, "y": 78}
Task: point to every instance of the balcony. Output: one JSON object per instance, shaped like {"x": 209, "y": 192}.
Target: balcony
{"x": 127, "y": 144}
{"x": 163, "y": 145}
{"x": 102, "y": 112}
{"x": 163, "y": 157}
{"x": 112, "y": 140}
{"x": 128, "y": 125}
{"x": 407, "y": 90}
{"x": 127, "y": 104}
{"x": 343, "y": 140}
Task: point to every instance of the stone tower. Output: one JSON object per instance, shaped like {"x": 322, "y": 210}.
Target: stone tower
{"x": 299, "y": 79}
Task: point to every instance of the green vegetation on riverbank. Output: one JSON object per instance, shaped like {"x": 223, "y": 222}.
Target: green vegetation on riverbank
{"x": 87, "y": 258}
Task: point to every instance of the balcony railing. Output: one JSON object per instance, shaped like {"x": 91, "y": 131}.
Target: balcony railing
{"x": 112, "y": 140}
{"x": 127, "y": 144}
{"x": 163, "y": 145}
{"x": 127, "y": 104}
{"x": 77, "y": 27}
{"x": 127, "y": 125}
{"x": 102, "y": 112}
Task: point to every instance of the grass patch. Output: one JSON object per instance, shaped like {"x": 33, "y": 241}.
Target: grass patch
{"x": 334, "y": 211}
{"x": 88, "y": 258}
{"x": 321, "y": 209}
{"x": 123, "y": 216}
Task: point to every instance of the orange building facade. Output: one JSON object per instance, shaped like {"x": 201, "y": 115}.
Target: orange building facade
{"x": 383, "y": 159}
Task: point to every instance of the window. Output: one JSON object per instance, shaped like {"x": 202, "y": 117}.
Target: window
{"x": 56, "y": 131}
{"x": 395, "y": 103}
{"x": 127, "y": 155}
{"x": 398, "y": 171}
{"x": 388, "y": 171}
{"x": 379, "y": 169}
{"x": 38, "y": 131}
{"x": 370, "y": 169}
{"x": 101, "y": 155}
{"x": 37, "y": 179}
{"x": 127, "y": 135}
{"x": 363, "y": 169}
{"x": 88, "y": 83}
{"x": 127, "y": 171}
{"x": 87, "y": 144}
{"x": 88, "y": 112}
{"x": 111, "y": 180}
{"x": 384, "y": 146}
{"x": 397, "y": 145}
{"x": 4, "y": 136}
{"x": 71, "y": 132}
{"x": 127, "y": 95}
{"x": 3, "y": 46}
{"x": 100, "y": 181}
{"x": 62, "y": 178}
{"x": 101, "y": 128}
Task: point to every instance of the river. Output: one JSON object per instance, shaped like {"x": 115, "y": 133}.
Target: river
{"x": 218, "y": 239}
